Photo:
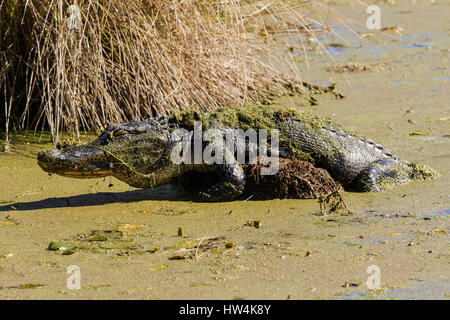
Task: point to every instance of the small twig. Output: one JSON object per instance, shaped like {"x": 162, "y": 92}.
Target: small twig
{"x": 249, "y": 197}
{"x": 228, "y": 251}
{"x": 196, "y": 250}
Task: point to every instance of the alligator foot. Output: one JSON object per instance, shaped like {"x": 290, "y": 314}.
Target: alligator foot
{"x": 387, "y": 173}
{"x": 231, "y": 186}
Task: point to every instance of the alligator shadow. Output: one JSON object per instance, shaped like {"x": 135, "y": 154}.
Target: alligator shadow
{"x": 168, "y": 193}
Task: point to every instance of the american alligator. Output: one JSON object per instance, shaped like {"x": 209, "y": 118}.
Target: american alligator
{"x": 139, "y": 152}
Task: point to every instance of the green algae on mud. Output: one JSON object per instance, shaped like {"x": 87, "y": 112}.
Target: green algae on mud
{"x": 270, "y": 262}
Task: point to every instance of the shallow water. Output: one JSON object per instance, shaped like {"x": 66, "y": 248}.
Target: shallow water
{"x": 295, "y": 252}
{"x": 418, "y": 290}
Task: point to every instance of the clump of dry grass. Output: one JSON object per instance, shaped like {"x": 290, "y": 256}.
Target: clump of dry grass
{"x": 132, "y": 59}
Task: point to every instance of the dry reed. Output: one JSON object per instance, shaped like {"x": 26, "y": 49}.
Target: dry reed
{"x": 133, "y": 59}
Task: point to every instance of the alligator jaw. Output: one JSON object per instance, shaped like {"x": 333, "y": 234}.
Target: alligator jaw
{"x": 77, "y": 162}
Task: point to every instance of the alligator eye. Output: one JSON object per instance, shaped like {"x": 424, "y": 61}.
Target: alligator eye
{"x": 119, "y": 132}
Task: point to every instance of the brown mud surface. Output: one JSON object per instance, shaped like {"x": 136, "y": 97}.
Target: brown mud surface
{"x": 157, "y": 244}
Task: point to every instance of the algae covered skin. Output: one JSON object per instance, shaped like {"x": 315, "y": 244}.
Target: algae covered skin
{"x": 139, "y": 152}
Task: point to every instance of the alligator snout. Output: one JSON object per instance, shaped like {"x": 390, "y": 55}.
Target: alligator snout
{"x": 78, "y": 162}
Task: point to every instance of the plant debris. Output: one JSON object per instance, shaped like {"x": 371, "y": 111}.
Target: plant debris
{"x": 295, "y": 179}
{"x": 255, "y": 223}
{"x": 229, "y": 245}
{"x": 59, "y": 246}
{"x": 348, "y": 67}
{"x": 27, "y": 286}
{"x": 178, "y": 257}
{"x": 104, "y": 235}
{"x": 350, "y": 284}
{"x": 333, "y": 203}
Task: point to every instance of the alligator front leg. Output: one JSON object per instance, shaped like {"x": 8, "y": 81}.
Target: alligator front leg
{"x": 221, "y": 156}
{"x": 230, "y": 187}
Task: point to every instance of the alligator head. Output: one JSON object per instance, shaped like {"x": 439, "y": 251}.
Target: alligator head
{"x": 130, "y": 151}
